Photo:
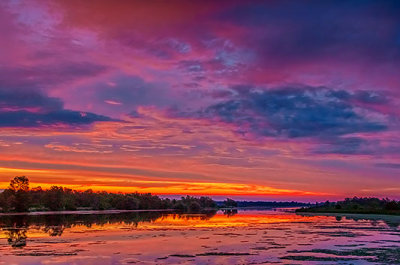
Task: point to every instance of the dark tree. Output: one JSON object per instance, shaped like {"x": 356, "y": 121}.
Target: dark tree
{"x": 229, "y": 203}
{"x": 54, "y": 198}
{"x": 19, "y": 187}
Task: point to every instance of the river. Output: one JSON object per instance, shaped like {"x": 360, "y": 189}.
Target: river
{"x": 275, "y": 236}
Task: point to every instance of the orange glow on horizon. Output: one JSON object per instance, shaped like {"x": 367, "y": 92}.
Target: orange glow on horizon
{"x": 81, "y": 180}
{"x": 182, "y": 188}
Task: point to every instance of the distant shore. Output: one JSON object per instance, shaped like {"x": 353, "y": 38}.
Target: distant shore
{"x": 356, "y": 206}
{"x": 336, "y": 213}
{"x": 353, "y": 215}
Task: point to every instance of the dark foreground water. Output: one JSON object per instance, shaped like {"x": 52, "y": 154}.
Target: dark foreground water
{"x": 248, "y": 237}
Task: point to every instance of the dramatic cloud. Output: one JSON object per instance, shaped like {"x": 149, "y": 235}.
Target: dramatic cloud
{"x": 12, "y": 99}
{"x": 297, "y": 112}
{"x": 29, "y": 108}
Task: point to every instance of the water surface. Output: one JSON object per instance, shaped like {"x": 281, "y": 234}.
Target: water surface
{"x": 246, "y": 237}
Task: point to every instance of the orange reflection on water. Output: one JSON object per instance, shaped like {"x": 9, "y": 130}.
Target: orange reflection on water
{"x": 222, "y": 220}
{"x": 167, "y": 221}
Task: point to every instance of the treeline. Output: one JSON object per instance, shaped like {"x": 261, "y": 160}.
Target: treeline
{"x": 18, "y": 197}
{"x": 365, "y": 205}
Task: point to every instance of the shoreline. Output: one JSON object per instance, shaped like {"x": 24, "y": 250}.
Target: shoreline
{"x": 133, "y": 211}
{"x": 349, "y": 214}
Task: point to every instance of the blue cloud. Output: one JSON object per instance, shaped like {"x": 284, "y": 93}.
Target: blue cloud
{"x": 294, "y": 112}
{"x": 30, "y": 119}
{"x": 30, "y": 108}
{"x": 22, "y": 99}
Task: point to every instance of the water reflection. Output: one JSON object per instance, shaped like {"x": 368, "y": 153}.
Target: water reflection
{"x": 16, "y": 227}
{"x": 230, "y": 212}
{"x": 391, "y": 221}
{"x": 16, "y": 237}
{"x": 226, "y": 237}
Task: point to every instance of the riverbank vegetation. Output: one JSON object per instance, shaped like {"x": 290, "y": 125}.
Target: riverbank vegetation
{"x": 356, "y": 205}
{"x": 18, "y": 197}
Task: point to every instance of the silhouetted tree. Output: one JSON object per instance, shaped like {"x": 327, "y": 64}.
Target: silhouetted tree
{"x": 54, "y": 198}
{"x": 19, "y": 187}
{"x": 229, "y": 203}
{"x": 392, "y": 206}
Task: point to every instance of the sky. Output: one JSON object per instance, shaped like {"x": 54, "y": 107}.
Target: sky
{"x": 257, "y": 100}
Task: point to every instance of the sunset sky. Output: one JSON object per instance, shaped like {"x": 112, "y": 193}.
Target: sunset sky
{"x": 248, "y": 99}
